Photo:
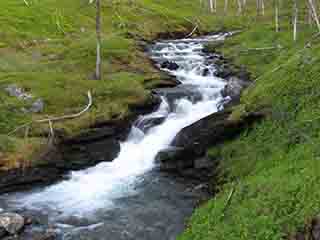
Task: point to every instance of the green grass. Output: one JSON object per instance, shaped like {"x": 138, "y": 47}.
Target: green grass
{"x": 273, "y": 166}
{"x": 48, "y": 48}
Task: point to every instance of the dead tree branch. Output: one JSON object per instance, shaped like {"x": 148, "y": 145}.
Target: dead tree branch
{"x": 50, "y": 121}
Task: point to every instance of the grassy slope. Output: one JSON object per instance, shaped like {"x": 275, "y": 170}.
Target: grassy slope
{"x": 49, "y": 49}
{"x": 273, "y": 167}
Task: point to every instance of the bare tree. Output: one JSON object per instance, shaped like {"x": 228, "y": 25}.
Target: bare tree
{"x": 98, "y": 32}
{"x": 225, "y": 6}
{"x": 295, "y": 19}
{"x": 314, "y": 13}
{"x": 276, "y": 15}
{"x": 211, "y": 6}
{"x": 98, "y": 36}
{"x": 239, "y": 7}
{"x": 310, "y": 17}
{"x": 260, "y": 7}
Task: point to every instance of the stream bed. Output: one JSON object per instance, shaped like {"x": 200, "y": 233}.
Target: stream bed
{"x": 129, "y": 198}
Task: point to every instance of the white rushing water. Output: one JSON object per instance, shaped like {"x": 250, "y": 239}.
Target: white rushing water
{"x": 95, "y": 188}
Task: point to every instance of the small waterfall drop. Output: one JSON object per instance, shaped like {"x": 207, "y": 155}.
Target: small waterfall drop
{"x": 87, "y": 191}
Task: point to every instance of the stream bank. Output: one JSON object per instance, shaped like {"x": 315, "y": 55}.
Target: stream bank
{"x": 164, "y": 192}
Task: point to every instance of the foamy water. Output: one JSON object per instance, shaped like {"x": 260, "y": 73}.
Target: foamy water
{"x": 95, "y": 188}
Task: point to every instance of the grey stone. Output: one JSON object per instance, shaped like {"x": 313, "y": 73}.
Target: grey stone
{"x": 234, "y": 87}
{"x": 37, "y": 106}
{"x": 14, "y": 91}
{"x": 11, "y": 222}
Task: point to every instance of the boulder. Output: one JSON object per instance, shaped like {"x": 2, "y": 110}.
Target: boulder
{"x": 3, "y": 232}
{"x": 186, "y": 91}
{"x": 206, "y": 72}
{"x": 199, "y": 134}
{"x": 169, "y": 65}
{"x": 187, "y": 156}
{"x": 13, "y": 223}
{"x": 174, "y": 160}
{"x": 145, "y": 124}
{"x": 14, "y": 90}
{"x": 37, "y": 106}
{"x": 186, "y": 163}
{"x": 224, "y": 71}
{"x": 234, "y": 87}
{"x": 83, "y": 151}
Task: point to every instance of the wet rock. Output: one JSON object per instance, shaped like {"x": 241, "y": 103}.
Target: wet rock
{"x": 76, "y": 156}
{"x": 11, "y": 222}
{"x": 146, "y": 107}
{"x": 189, "y": 92}
{"x": 187, "y": 157}
{"x": 170, "y": 65}
{"x": 224, "y": 71}
{"x": 3, "y": 232}
{"x": 18, "y": 179}
{"x": 243, "y": 75}
{"x": 37, "y": 106}
{"x": 174, "y": 159}
{"x": 186, "y": 162}
{"x": 206, "y": 72}
{"x": 234, "y": 87}
{"x": 146, "y": 123}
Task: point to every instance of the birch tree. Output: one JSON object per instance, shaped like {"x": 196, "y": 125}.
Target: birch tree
{"x": 225, "y": 6}
{"x": 213, "y": 5}
{"x": 314, "y": 13}
{"x": 98, "y": 36}
{"x": 239, "y": 7}
{"x": 276, "y": 14}
{"x": 295, "y": 19}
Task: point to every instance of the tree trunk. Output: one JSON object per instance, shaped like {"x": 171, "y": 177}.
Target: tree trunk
{"x": 295, "y": 19}
{"x": 239, "y": 7}
{"x": 98, "y": 33}
{"x": 211, "y": 6}
{"x": 225, "y": 7}
{"x": 314, "y": 13}
{"x": 277, "y": 15}
{"x": 262, "y": 6}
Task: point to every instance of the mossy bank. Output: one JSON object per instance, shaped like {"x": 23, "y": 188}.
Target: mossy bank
{"x": 48, "y": 49}
{"x": 269, "y": 179}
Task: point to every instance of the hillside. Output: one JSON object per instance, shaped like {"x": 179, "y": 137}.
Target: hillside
{"x": 268, "y": 179}
{"x": 49, "y": 51}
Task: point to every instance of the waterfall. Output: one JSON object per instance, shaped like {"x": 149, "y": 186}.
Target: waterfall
{"x": 89, "y": 190}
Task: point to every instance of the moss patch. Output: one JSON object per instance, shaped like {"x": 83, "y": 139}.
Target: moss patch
{"x": 273, "y": 167}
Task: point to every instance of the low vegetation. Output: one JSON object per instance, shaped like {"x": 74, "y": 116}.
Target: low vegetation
{"x": 48, "y": 49}
{"x": 273, "y": 168}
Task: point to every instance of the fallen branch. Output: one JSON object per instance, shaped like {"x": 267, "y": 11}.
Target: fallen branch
{"x": 228, "y": 200}
{"x": 25, "y": 1}
{"x": 71, "y": 116}
{"x": 262, "y": 49}
{"x": 50, "y": 121}
{"x": 193, "y": 31}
